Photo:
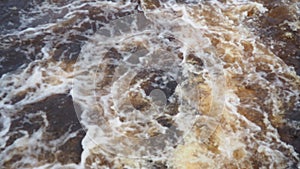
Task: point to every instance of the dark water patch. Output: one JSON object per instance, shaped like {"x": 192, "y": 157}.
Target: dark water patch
{"x": 188, "y": 1}
{"x": 291, "y": 136}
{"x": 62, "y": 119}
{"x": 17, "y": 52}
{"x": 10, "y": 14}
{"x": 154, "y": 80}
{"x": 60, "y": 114}
{"x": 157, "y": 165}
{"x": 70, "y": 152}
{"x": 11, "y": 59}
{"x": 67, "y": 51}
{"x": 273, "y": 29}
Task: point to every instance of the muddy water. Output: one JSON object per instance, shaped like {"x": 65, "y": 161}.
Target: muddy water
{"x": 149, "y": 84}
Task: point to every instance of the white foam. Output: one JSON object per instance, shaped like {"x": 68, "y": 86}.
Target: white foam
{"x": 100, "y": 108}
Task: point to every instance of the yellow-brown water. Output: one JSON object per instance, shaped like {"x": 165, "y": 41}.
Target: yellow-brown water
{"x": 150, "y": 84}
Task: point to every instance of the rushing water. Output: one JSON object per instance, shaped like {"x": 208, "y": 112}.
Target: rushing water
{"x": 179, "y": 84}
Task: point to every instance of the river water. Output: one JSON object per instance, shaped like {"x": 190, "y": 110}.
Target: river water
{"x": 179, "y": 84}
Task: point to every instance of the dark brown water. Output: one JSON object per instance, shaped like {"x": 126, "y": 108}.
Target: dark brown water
{"x": 149, "y": 84}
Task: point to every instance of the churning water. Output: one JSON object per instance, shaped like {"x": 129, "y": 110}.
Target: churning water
{"x": 179, "y": 84}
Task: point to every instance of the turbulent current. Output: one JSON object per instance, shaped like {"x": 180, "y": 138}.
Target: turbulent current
{"x": 152, "y": 84}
